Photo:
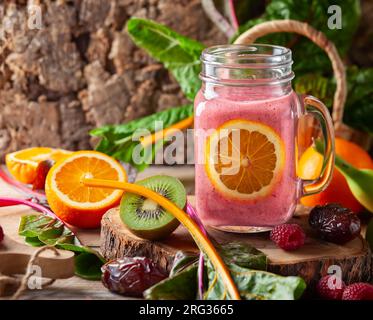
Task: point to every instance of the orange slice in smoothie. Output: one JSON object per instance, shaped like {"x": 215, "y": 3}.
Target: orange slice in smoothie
{"x": 244, "y": 159}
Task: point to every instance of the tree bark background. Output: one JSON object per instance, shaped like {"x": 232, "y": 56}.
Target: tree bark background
{"x": 81, "y": 70}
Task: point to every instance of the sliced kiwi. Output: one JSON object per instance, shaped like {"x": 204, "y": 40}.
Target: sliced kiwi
{"x": 144, "y": 217}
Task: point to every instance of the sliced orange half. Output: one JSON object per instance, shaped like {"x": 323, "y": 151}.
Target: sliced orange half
{"x": 22, "y": 164}
{"x": 244, "y": 159}
{"x": 75, "y": 203}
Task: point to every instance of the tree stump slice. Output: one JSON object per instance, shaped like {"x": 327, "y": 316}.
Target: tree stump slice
{"x": 311, "y": 262}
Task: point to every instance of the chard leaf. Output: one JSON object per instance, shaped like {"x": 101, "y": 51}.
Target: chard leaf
{"x": 254, "y": 285}
{"x": 34, "y": 225}
{"x": 122, "y": 131}
{"x": 182, "y": 261}
{"x": 246, "y": 265}
{"x": 183, "y": 275}
{"x": 178, "y": 286}
{"x": 40, "y": 230}
{"x": 359, "y": 83}
{"x": 317, "y": 85}
{"x": 179, "y": 54}
{"x": 88, "y": 266}
{"x": 315, "y": 13}
{"x": 243, "y": 255}
{"x": 34, "y": 242}
{"x": 120, "y": 141}
{"x": 358, "y": 111}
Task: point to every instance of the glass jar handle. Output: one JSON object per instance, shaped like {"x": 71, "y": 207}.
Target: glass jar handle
{"x": 316, "y": 108}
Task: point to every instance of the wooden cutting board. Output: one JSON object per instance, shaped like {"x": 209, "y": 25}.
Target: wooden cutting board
{"x": 310, "y": 262}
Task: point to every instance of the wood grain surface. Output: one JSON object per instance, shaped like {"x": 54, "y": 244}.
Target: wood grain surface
{"x": 75, "y": 287}
{"x": 310, "y": 262}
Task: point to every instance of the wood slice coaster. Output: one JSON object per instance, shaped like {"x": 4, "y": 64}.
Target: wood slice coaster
{"x": 310, "y": 262}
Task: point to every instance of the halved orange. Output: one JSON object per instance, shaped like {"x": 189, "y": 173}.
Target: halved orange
{"x": 22, "y": 164}
{"x": 244, "y": 159}
{"x": 338, "y": 191}
{"x": 75, "y": 203}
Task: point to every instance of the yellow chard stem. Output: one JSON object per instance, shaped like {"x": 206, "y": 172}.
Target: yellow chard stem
{"x": 202, "y": 241}
{"x": 162, "y": 134}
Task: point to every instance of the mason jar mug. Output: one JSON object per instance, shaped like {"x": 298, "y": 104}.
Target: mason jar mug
{"x": 246, "y": 129}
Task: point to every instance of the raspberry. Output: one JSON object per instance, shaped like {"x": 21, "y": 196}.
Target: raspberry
{"x": 1, "y": 234}
{"x": 328, "y": 288}
{"x": 358, "y": 291}
{"x": 288, "y": 236}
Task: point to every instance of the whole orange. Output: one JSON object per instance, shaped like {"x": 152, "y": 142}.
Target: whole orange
{"x": 338, "y": 191}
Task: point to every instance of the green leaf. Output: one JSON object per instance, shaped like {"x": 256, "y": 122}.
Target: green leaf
{"x": 254, "y": 285}
{"x": 167, "y": 117}
{"x": 40, "y": 230}
{"x": 183, "y": 275}
{"x": 120, "y": 141}
{"x": 88, "y": 266}
{"x": 179, "y": 286}
{"x": 182, "y": 261}
{"x": 247, "y": 266}
{"x": 243, "y": 255}
{"x": 179, "y": 54}
{"x": 34, "y": 242}
{"x": 245, "y": 9}
{"x": 34, "y": 225}
{"x": 315, "y": 13}
{"x": 317, "y": 85}
{"x": 261, "y": 285}
{"x": 360, "y": 181}
{"x": 358, "y": 111}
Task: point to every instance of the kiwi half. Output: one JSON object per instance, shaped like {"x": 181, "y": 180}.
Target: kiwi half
{"x": 144, "y": 217}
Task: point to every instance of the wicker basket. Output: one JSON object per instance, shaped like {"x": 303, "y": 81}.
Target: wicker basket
{"x": 340, "y": 94}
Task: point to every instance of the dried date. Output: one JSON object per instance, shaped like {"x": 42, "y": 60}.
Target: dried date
{"x": 335, "y": 223}
{"x": 131, "y": 276}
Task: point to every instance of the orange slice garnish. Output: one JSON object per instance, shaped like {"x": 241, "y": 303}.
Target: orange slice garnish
{"x": 22, "y": 164}
{"x": 71, "y": 200}
{"x": 244, "y": 159}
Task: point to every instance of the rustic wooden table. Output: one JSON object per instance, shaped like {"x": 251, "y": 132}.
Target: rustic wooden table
{"x": 75, "y": 287}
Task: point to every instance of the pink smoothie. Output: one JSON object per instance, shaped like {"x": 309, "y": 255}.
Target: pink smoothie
{"x": 269, "y": 106}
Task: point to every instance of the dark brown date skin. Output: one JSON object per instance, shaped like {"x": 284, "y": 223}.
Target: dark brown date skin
{"x": 335, "y": 223}
{"x": 131, "y": 276}
{"x": 41, "y": 174}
